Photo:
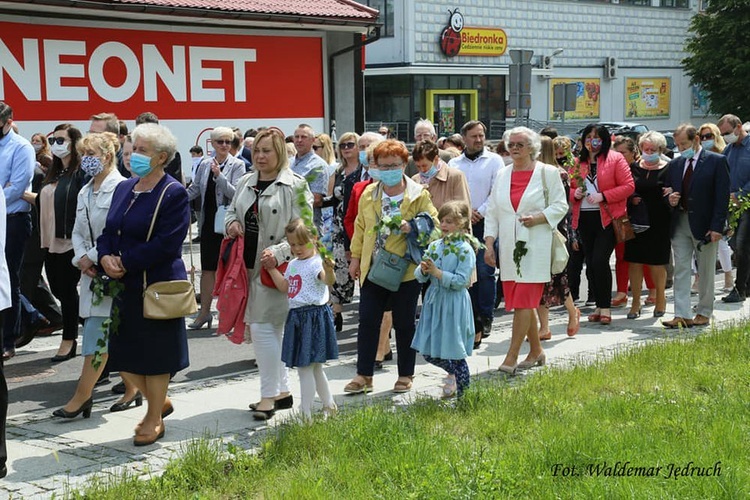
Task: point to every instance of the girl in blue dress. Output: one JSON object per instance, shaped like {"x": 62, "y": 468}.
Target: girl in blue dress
{"x": 445, "y": 333}
{"x": 309, "y": 332}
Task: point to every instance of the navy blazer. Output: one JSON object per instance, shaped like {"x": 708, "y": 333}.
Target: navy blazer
{"x": 708, "y": 197}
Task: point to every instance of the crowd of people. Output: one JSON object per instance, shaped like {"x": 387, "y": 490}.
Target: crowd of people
{"x": 452, "y": 222}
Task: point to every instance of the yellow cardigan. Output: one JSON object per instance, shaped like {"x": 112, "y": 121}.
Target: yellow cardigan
{"x": 416, "y": 200}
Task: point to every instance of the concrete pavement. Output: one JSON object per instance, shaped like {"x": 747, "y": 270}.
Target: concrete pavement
{"x": 48, "y": 456}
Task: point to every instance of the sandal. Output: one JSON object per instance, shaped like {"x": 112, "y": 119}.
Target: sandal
{"x": 357, "y": 387}
{"x": 403, "y": 386}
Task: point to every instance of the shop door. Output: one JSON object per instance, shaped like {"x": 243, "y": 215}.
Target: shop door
{"x": 450, "y": 109}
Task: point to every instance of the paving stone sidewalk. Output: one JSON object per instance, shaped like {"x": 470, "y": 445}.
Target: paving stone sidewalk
{"x": 48, "y": 456}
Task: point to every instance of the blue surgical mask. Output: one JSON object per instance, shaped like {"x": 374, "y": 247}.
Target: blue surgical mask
{"x": 140, "y": 164}
{"x": 391, "y": 177}
{"x": 374, "y": 174}
{"x": 91, "y": 165}
{"x": 688, "y": 153}
{"x": 650, "y": 158}
{"x": 363, "y": 157}
{"x": 709, "y": 144}
{"x": 430, "y": 173}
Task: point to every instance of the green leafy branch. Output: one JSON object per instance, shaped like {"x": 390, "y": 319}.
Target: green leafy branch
{"x": 452, "y": 245}
{"x": 518, "y": 252}
{"x": 100, "y": 288}
{"x": 736, "y": 209}
{"x": 389, "y": 224}
{"x": 306, "y": 214}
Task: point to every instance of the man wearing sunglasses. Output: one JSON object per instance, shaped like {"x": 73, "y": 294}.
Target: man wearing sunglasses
{"x": 17, "y": 161}
{"x": 738, "y": 156}
{"x": 312, "y": 167}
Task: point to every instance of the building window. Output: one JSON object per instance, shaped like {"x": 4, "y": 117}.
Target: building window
{"x": 385, "y": 7}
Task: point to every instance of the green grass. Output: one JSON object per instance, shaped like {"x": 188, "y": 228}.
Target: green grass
{"x": 666, "y": 403}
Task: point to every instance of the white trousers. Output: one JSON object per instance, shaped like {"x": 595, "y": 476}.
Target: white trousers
{"x": 725, "y": 255}
{"x": 274, "y": 376}
{"x": 683, "y": 247}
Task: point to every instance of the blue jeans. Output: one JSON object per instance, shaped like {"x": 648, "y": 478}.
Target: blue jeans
{"x": 18, "y": 230}
{"x": 482, "y": 292}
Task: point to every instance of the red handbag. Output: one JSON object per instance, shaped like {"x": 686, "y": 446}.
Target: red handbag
{"x": 265, "y": 276}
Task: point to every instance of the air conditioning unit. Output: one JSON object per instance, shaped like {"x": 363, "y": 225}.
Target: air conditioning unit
{"x": 610, "y": 68}
{"x": 545, "y": 62}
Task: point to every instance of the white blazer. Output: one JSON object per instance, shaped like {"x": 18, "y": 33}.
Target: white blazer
{"x": 5, "y": 301}
{"x": 501, "y": 223}
{"x": 91, "y": 217}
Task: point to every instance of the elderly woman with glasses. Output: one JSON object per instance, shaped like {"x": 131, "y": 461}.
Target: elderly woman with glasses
{"x": 215, "y": 181}
{"x": 526, "y": 205}
{"x": 147, "y": 352}
{"x": 385, "y": 209}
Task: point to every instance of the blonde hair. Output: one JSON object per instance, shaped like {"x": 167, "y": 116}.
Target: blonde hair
{"x": 328, "y": 155}
{"x": 103, "y": 143}
{"x": 302, "y": 234}
{"x": 458, "y": 211}
{"x": 277, "y": 143}
{"x": 719, "y": 143}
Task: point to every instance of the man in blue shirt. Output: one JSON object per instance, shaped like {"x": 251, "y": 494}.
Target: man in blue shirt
{"x": 738, "y": 156}
{"x": 17, "y": 160}
{"x": 312, "y": 167}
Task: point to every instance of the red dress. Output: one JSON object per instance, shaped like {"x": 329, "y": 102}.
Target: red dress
{"x": 521, "y": 295}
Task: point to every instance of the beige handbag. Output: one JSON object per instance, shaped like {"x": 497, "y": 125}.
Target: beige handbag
{"x": 559, "y": 260}
{"x": 167, "y": 299}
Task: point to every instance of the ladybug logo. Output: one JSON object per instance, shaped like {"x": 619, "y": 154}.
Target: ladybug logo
{"x": 450, "y": 38}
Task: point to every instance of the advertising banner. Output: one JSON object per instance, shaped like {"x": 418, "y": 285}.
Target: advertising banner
{"x": 647, "y": 97}
{"x": 587, "y": 99}
{"x": 51, "y": 72}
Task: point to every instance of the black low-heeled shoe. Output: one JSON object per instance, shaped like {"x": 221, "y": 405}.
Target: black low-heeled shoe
{"x": 124, "y": 405}
{"x": 285, "y": 403}
{"x": 388, "y": 356}
{"x": 85, "y": 409}
{"x": 263, "y": 414}
{"x": 64, "y": 357}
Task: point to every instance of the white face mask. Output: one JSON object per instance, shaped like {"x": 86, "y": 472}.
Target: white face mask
{"x": 37, "y": 147}
{"x": 730, "y": 138}
{"x": 61, "y": 150}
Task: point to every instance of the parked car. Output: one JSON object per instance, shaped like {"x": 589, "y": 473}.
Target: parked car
{"x": 628, "y": 129}
{"x": 672, "y": 150}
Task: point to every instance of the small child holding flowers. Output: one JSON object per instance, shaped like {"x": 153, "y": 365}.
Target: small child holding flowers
{"x": 445, "y": 332}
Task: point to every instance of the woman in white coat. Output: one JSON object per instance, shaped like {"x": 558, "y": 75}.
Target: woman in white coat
{"x": 525, "y": 216}
{"x": 99, "y": 161}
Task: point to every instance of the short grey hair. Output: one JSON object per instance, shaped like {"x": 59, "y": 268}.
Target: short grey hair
{"x": 424, "y": 122}
{"x": 655, "y": 138}
{"x": 158, "y": 136}
{"x": 220, "y": 132}
{"x": 535, "y": 142}
{"x": 373, "y": 136}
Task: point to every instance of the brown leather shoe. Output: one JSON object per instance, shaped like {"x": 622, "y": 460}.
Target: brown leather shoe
{"x": 701, "y": 320}
{"x": 678, "y": 322}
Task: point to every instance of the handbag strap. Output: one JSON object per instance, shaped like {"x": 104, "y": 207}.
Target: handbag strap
{"x": 544, "y": 189}
{"x": 153, "y": 222}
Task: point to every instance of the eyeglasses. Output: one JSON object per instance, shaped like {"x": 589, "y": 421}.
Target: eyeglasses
{"x": 222, "y": 142}
{"x": 315, "y": 148}
{"x": 392, "y": 166}
{"x": 512, "y": 145}
{"x": 706, "y": 137}
{"x": 57, "y": 140}
{"x": 347, "y": 145}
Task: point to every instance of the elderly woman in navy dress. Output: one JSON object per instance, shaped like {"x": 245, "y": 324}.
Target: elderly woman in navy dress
{"x": 147, "y": 352}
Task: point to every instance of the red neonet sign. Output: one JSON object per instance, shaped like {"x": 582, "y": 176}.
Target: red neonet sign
{"x": 49, "y": 72}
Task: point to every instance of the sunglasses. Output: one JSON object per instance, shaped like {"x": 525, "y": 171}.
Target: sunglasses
{"x": 347, "y": 145}
{"x": 57, "y": 140}
{"x": 706, "y": 137}
{"x": 222, "y": 142}
{"x": 315, "y": 148}
{"x": 513, "y": 145}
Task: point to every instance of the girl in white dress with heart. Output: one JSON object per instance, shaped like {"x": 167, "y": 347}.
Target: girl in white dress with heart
{"x": 309, "y": 332}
